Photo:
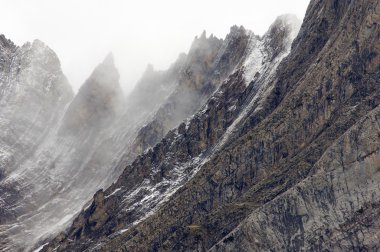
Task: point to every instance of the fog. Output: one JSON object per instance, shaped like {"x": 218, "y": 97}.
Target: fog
{"x": 137, "y": 32}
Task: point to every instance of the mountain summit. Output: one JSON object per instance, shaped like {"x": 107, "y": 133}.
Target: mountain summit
{"x": 98, "y": 99}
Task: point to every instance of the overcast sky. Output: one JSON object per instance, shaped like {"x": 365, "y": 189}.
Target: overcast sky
{"x": 82, "y": 32}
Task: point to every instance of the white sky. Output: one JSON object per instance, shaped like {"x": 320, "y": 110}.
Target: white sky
{"x": 82, "y": 32}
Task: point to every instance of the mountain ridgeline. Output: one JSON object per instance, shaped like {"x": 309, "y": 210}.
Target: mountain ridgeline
{"x": 247, "y": 143}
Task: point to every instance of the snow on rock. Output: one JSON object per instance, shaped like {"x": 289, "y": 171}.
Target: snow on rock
{"x": 270, "y": 49}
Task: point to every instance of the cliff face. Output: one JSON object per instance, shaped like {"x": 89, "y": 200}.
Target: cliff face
{"x": 332, "y": 200}
{"x": 172, "y": 179}
{"x": 335, "y": 208}
{"x": 33, "y": 91}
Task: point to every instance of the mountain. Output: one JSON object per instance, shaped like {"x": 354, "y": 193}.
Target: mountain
{"x": 200, "y": 75}
{"x": 99, "y": 132}
{"x": 145, "y": 193}
{"x": 283, "y": 156}
{"x": 43, "y": 185}
{"x": 248, "y": 143}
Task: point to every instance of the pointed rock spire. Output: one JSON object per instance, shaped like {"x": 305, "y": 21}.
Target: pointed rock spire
{"x": 99, "y": 98}
{"x": 203, "y": 35}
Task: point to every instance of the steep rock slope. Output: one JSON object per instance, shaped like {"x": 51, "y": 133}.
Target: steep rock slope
{"x": 152, "y": 204}
{"x": 33, "y": 91}
{"x": 336, "y": 206}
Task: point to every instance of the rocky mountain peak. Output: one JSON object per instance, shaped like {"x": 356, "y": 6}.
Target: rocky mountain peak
{"x": 98, "y": 99}
{"x": 203, "y": 35}
{"x": 236, "y": 31}
{"x": 41, "y": 52}
{"x": 287, "y": 21}
{"x": 281, "y": 34}
{"x": 38, "y": 68}
{"x": 204, "y": 43}
{"x": 45, "y": 64}
{"x": 109, "y": 59}
{"x": 105, "y": 74}
{"x": 149, "y": 69}
{"x": 6, "y": 43}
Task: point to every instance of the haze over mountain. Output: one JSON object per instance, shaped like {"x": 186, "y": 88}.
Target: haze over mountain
{"x": 244, "y": 143}
{"x": 138, "y": 33}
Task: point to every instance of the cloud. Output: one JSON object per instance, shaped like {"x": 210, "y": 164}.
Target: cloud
{"x": 138, "y": 32}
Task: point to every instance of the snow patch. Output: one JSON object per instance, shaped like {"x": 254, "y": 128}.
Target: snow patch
{"x": 253, "y": 64}
{"x": 115, "y": 191}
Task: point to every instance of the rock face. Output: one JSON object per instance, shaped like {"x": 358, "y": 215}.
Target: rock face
{"x": 279, "y": 151}
{"x": 300, "y": 172}
{"x": 89, "y": 143}
{"x": 283, "y": 156}
{"x": 33, "y": 94}
{"x": 162, "y": 199}
{"x": 33, "y": 91}
{"x": 334, "y": 209}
